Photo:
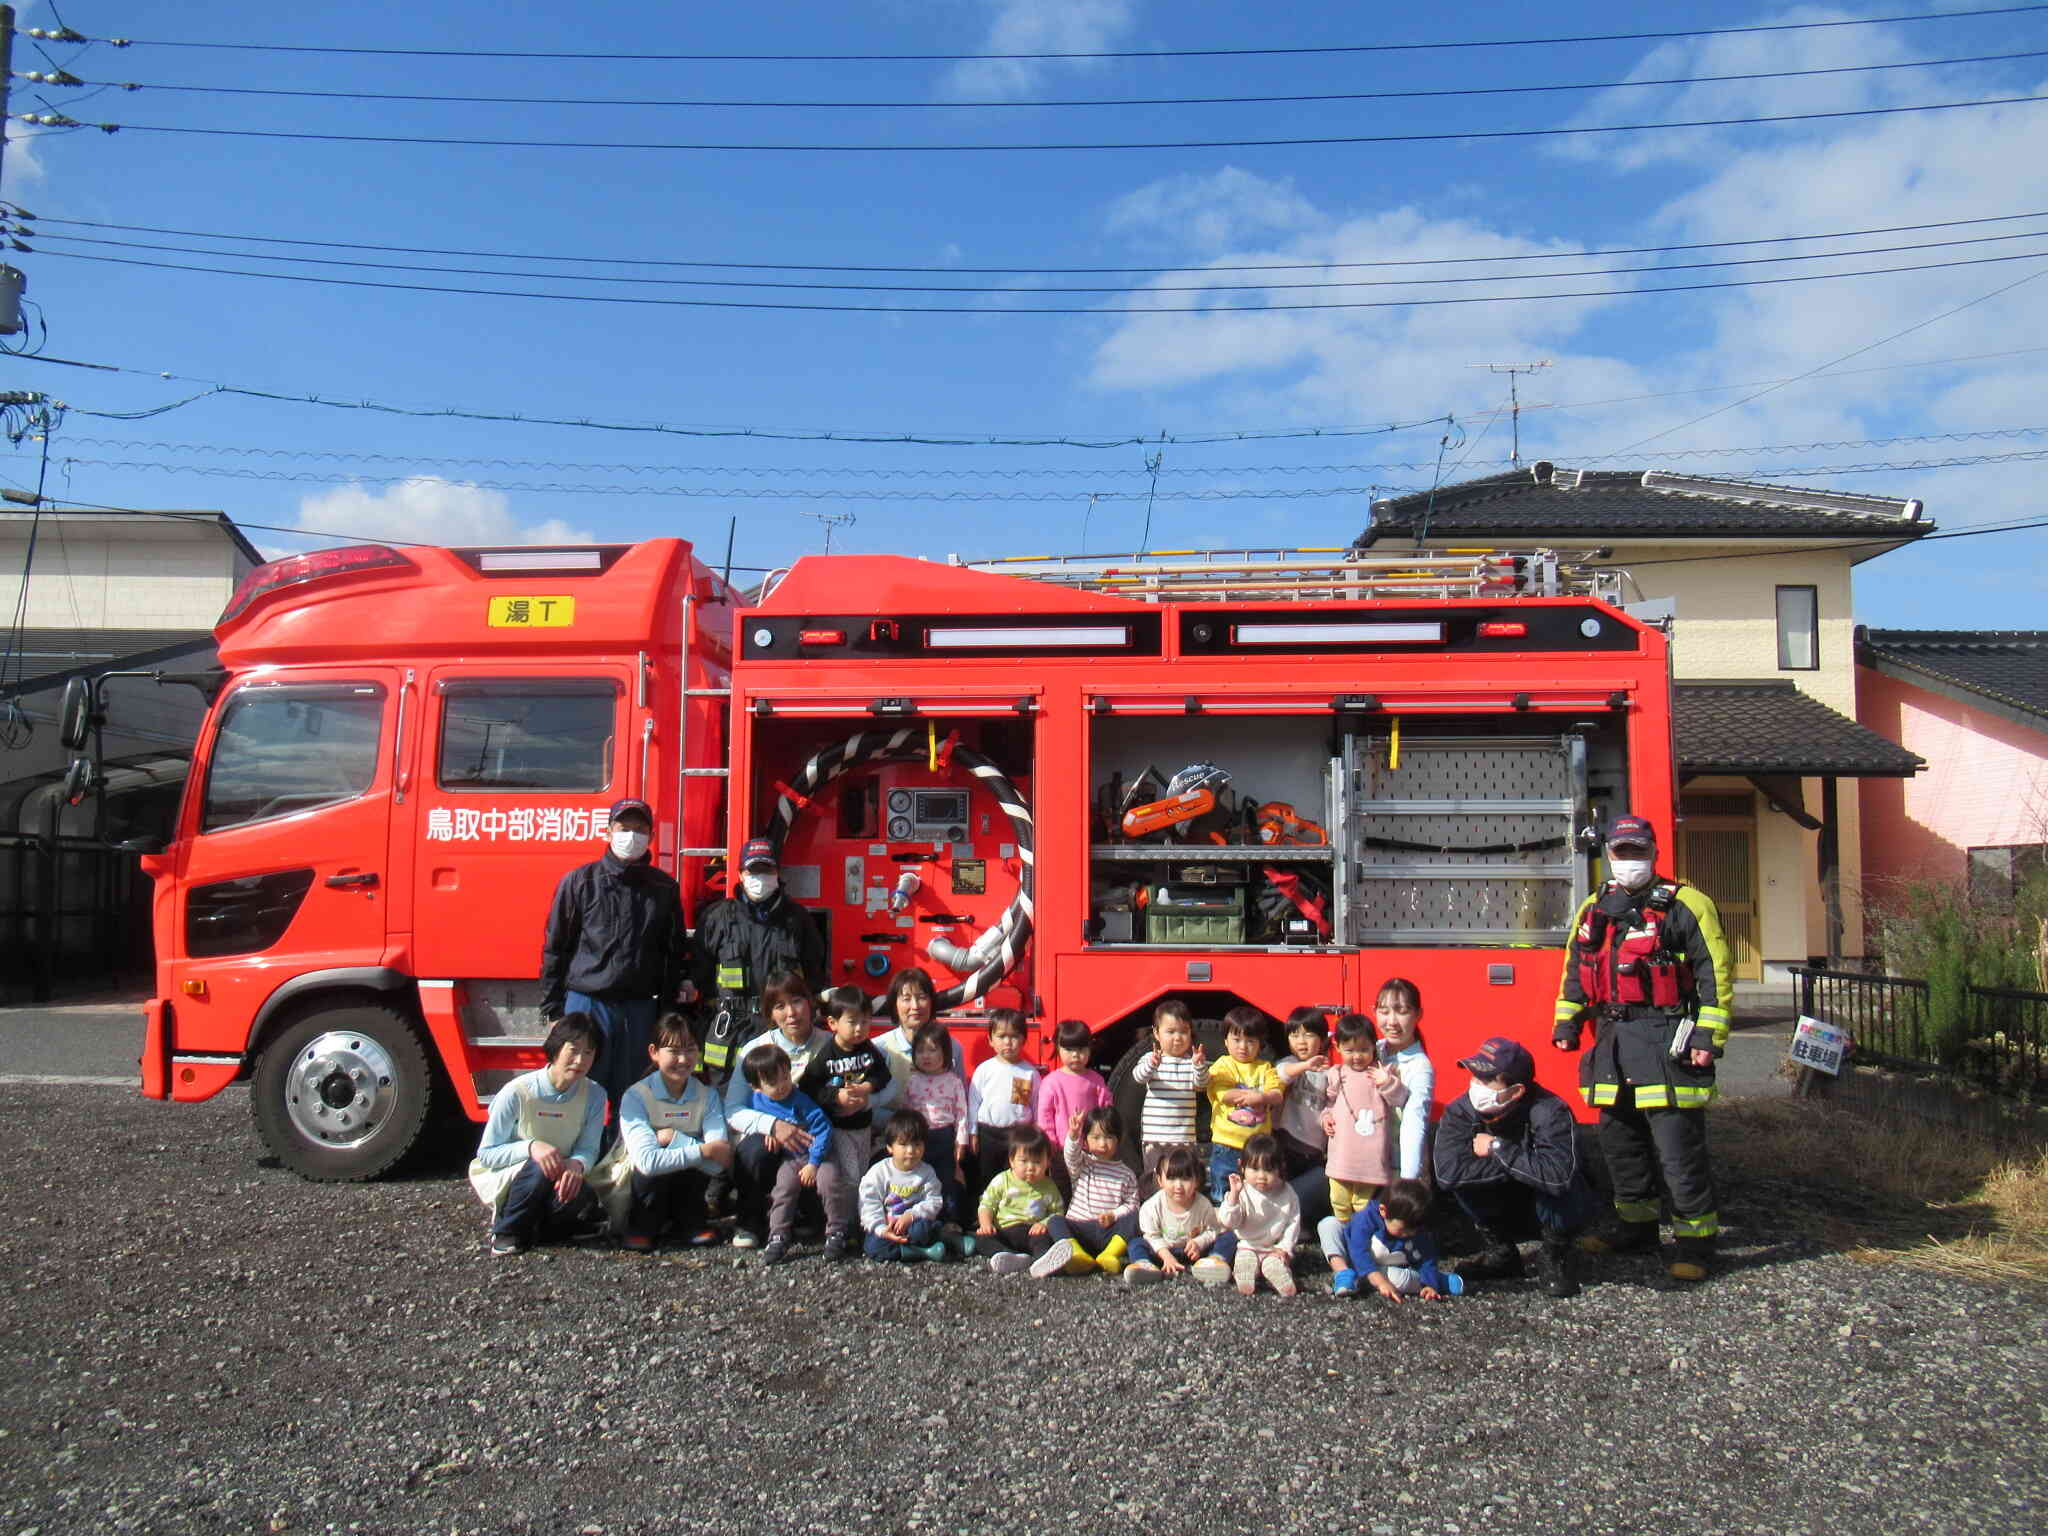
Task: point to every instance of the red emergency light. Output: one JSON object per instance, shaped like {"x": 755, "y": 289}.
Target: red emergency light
{"x": 317, "y": 566}
{"x": 1503, "y": 629}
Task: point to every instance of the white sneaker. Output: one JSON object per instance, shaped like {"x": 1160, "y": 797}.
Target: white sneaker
{"x": 1009, "y": 1263}
{"x": 1143, "y": 1274}
{"x": 742, "y": 1238}
{"x": 1053, "y": 1260}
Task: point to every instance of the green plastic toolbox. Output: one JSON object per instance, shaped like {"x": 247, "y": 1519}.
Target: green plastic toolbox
{"x": 1195, "y": 914}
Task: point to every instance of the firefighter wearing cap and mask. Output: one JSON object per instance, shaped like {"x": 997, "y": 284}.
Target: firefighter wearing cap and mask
{"x": 742, "y": 942}
{"x": 1648, "y": 965}
{"x": 616, "y": 948}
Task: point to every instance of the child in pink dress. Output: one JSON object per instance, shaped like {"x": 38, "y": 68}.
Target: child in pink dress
{"x": 936, "y": 1090}
{"x": 1358, "y": 1116}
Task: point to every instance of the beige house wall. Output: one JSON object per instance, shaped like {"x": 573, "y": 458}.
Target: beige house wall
{"x": 1727, "y": 628}
{"x": 154, "y": 572}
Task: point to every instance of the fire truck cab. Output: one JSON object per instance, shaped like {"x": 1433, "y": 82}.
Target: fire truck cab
{"x": 1069, "y": 787}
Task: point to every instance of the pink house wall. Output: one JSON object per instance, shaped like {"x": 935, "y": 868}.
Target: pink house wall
{"x": 1986, "y": 782}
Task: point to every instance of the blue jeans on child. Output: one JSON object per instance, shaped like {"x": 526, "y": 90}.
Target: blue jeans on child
{"x": 922, "y": 1235}
{"x": 1223, "y": 1162}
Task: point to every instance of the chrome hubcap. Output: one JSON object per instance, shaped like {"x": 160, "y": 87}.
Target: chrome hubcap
{"x": 340, "y": 1089}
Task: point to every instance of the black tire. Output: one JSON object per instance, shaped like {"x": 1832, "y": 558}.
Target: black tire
{"x": 343, "y": 1094}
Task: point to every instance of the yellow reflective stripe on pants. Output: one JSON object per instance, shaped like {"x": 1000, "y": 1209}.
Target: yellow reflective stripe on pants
{"x": 1699, "y": 1226}
{"x": 1636, "y": 1210}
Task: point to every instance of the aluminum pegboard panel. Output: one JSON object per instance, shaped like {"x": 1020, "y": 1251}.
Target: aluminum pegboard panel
{"x": 1462, "y": 839}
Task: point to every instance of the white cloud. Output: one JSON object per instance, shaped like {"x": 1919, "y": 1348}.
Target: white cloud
{"x": 1038, "y": 26}
{"x": 1213, "y": 212}
{"x": 430, "y": 510}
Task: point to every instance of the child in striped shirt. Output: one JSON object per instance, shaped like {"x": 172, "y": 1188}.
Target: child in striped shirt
{"x": 1101, "y": 1219}
{"x": 1173, "y": 1074}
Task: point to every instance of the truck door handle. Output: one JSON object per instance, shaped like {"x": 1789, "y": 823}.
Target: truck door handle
{"x": 366, "y": 878}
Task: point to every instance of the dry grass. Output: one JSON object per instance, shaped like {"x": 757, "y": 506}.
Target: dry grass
{"x": 1899, "y": 1191}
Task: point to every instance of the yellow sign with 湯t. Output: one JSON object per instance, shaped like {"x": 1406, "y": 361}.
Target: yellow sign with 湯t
{"x": 532, "y": 612}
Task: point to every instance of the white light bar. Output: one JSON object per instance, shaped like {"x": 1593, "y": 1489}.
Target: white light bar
{"x": 1098, "y": 636}
{"x": 540, "y": 560}
{"x": 1337, "y": 634}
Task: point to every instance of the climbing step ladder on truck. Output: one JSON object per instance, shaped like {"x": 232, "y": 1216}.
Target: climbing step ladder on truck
{"x": 1377, "y": 766}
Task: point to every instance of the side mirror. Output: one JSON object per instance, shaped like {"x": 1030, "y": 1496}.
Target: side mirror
{"x": 143, "y": 845}
{"x": 79, "y": 780}
{"x": 74, "y": 718}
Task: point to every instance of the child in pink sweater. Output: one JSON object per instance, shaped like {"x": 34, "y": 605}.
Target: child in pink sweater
{"x": 1072, "y": 1090}
{"x": 1358, "y": 1115}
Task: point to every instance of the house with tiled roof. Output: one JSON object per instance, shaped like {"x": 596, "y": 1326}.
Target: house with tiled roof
{"x": 1974, "y": 703}
{"x": 1755, "y": 581}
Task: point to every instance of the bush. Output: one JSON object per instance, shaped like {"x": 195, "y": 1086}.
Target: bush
{"x": 1930, "y": 930}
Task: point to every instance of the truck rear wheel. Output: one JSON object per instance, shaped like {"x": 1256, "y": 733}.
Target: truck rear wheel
{"x": 343, "y": 1094}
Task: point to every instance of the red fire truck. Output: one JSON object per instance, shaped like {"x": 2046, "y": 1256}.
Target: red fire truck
{"x": 1074, "y": 787}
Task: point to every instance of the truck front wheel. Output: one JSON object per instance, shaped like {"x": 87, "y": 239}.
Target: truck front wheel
{"x": 343, "y": 1093}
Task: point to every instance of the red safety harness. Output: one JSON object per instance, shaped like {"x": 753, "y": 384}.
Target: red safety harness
{"x": 1632, "y": 964}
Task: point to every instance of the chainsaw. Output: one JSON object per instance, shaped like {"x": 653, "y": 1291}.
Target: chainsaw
{"x": 1280, "y": 825}
{"x": 1190, "y": 796}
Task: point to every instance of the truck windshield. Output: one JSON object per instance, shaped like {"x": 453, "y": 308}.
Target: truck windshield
{"x": 282, "y": 749}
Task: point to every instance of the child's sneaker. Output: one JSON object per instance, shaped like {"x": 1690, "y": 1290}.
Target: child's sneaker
{"x": 1009, "y": 1263}
{"x": 504, "y": 1245}
{"x": 936, "y": 1252}
{"x": 961, "y": 1244}
{"x": 745, "y": 1237}
{"x": 836, "y": 1250}
{"x": 775, "y": 1252}
{"x": 1053, "y": 1260}
{"x": 1142, "y": 1273}
{"x": 1454, "y": 1284}
{"x": 637, "y": 1242}
{"x": 1346, "y": 1283}
{"x": 1210, "y": 1270}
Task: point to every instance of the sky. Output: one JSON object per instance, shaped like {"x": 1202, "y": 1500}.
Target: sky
{"x": 784, "y": 313}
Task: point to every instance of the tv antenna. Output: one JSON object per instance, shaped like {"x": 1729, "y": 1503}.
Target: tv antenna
{"x": 831, "y": 520}
{"x": 1514, "y": 371}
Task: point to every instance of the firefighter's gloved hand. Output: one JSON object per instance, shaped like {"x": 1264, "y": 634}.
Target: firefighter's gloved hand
{"x": 1566, "y": 1036}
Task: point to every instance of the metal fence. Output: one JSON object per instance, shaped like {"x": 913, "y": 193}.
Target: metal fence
{"x": 74, "y": 916}
{"x": 1993, "y": 1036}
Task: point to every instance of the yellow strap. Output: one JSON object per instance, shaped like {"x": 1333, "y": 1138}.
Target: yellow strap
{"x": 1394, "y": 747}
{"x": 931, "y": 745}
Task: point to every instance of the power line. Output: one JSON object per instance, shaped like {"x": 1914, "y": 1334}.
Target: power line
{"x": 1298, "y": 266}
{"x": 1043, "y": 309}
{"x": 1031, "y": 289}
{"x": 956, "y": 105}
{"x": 1917, "y": 325}
{"x": 1035, "y": 472}
{"x": 950, "y": 495}
{"x": 1038, "y": 146}
{"x": 1035, "y": 289}
{"x": 1150, "y": 53}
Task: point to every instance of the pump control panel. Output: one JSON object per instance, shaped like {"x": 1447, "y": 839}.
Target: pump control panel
{"x": 921, "y": 815}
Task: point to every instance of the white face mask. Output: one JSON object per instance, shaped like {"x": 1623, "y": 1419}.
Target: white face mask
{"x": 1489, "y": 1101}
{"x": 627, "y": 844}
{"x": 759, "y": 887}
{"x": 1633, "y": 873}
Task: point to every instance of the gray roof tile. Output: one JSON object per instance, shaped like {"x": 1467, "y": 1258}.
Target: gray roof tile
{"x": 1602, "y": 504}
{"x": 2005, "y": 666}
{"x": 1768, "y": 726}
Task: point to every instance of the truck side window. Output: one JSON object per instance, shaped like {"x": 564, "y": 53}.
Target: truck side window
{"x": 511, "y": 733}
{"x": 280, "y": 750}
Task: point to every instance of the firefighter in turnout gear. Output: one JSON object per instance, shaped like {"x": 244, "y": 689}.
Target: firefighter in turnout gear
{"x": 1648, "y": 965}
{"x": 744, "y": 940}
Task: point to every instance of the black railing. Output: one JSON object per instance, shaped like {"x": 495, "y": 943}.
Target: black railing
{"x": 1993, "y": 1036}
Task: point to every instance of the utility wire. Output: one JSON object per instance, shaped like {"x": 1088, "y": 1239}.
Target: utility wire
{"x": 955, "y": 271}
{"x": 1235, "y": 310}
{"x": 1917, "y": 325}
{"x": 956, "y": 105}
{"x": 1041, "y": 147}
{"x": 1149, "y": 53}
{"x": 867, "y": 472}
{"x": 1033, "y": 289}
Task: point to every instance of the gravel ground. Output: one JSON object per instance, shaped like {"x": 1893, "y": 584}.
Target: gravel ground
{"x": 213, "y": 1345}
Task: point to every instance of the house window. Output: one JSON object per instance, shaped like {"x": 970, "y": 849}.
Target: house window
{"x": 1798, "y": 629}
{"x": 1999, "y": 875}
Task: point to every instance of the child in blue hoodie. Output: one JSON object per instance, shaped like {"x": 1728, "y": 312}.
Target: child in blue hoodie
{"x": 768, "y": 1074}
{"x": 1389, "y": 1246}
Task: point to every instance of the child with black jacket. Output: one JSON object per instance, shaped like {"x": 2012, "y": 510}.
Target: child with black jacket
{"x": 849, "y": 1078}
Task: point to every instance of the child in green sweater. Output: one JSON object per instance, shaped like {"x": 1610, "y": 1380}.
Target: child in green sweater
{"x": 1019, "y": 1204}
